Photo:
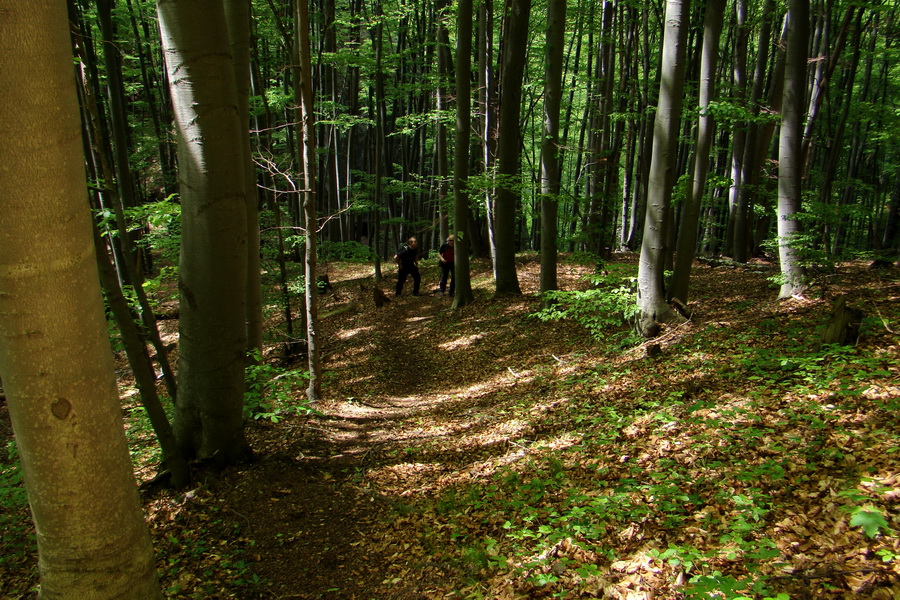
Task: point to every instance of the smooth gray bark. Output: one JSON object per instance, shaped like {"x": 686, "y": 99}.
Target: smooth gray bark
{"x": 706, "y": 130}
{"x": 213, "y": 267}
{"x": 651, "y": 289}
{"x": 790, "y": 161}
{"x": 553, "y": 66}
{"x": 507, "y": 196}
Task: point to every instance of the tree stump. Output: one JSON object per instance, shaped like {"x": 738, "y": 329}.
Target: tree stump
{"x": 843, "y": 327}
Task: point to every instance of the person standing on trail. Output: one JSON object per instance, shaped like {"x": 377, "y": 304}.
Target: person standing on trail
{"x": 407, "y": 258}
{"x": 446, "y": 261}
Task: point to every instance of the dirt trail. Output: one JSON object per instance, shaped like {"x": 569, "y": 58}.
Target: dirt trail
{"x": 317, "y": 520}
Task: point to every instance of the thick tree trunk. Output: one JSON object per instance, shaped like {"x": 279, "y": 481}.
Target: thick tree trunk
{"x": 237, "y": 14}
{"x": 213, "y": 269}
{"x": 790, "y": 165}
{"x": 507, "y": 197}
{"x": 55, "y": 359}
{"x": 651, "y": 292}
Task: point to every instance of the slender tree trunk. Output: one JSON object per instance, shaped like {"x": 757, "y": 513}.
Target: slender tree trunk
{"x": 55, "y": 359}
{"x": 442, "y": 166}
{"x": 690, "y": 217}
{"x": 790, "y": 167}
{"x": 461, "y": 216}
{"x": 380, "y": 151}
{"x": 141, "y": 367}
{"x": 553, "y": 66}
{"x": 313, "y": 392}
{"x": 736, "y": 214}
{"x": 487, "y": 100}
{"x": 105, "y": 171}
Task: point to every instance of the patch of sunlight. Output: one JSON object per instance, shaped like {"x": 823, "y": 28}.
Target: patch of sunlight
{"x": 357, "y": 380}
{"x": 560, "y": 442}
{"x": 462, "y": 342}
{"x": 419, "y": 319}
{"x": 347, "y": 334}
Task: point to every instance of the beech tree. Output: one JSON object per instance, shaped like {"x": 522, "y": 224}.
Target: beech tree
{"x": 461, "y": 213}
{"x": 687, "y": 237}
{"x": 55, "y": 359}
{"x": 213, "y": 268}
{"x": 790, "y": 160}
{"x": 651, "y": 290}
{"x": 505, "y": 211}
{"x": 553, "y": 67}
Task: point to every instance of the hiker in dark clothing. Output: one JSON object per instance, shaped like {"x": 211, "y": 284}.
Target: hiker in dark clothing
{"x": 407, "y": 257}
{"x": 446, "y": 260}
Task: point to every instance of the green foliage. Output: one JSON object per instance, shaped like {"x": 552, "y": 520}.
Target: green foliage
{"x": 607, "y": 307}
{"x": 13, "y": 501}
{"x": 345, "y": 251}
{"x": 273, "y": 392}
{"x": 160, "y": 223}
{"x": 870, "y": 519}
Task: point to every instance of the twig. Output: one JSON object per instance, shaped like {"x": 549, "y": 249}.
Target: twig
{"x": 883, "y": 321}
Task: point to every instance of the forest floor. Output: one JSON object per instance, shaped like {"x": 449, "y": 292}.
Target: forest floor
{"x": 484, "y": 453}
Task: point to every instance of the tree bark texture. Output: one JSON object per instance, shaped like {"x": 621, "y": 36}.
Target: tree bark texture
{"x": 553, "y": 64}
{"x": 651, "y": 292}
{"x": 55, "y": 358}
{"x": 213, "y": 268}
{"x": 507, "y": 197}
{"x": 706, "y": 127}
{"x": 790, "y": 162}
{"x": 461, "y": 213}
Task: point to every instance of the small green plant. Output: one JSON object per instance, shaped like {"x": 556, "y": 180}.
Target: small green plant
{"x": 160, "y": 223}
{"x": 13, "y": 500}
{"x": 609, "y": 306}
{"x": 272, "y": 392}
{"x": 870, "y": 519}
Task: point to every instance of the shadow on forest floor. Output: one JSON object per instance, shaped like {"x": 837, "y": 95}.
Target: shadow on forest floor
{"x": 481, "y": 453}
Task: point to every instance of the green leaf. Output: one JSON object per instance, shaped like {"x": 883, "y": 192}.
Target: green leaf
{"x": 870, "y": 519}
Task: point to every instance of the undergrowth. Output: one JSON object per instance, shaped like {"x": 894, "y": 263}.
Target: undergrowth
{"x": 699, "y": 475}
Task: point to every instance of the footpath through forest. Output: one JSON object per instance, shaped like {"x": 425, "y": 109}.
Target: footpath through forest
{"x": 415, "y": 397}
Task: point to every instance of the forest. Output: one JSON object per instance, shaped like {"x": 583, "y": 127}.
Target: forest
{"x": 667, "y": 364}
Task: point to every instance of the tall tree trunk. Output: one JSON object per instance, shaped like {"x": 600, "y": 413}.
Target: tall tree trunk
{"x": 313, "y": 392}
{"x": 790, "y": 167}
{"x": 237, "y": 14}
{"x": 553, "y": 66}
{"x": 706, "y": 127}
{"x": 487, "y": 100}
{"x": 141, "y": 367}
{"x": 461, "y": 216}
{"x": 213, "y": 269}
{"x": 118, "y": 122}
{"x": 55, "y": 359}
{"x": 651, "y": 290}
{"x": 736, "y": 215}
{"x": 515, "y": 42}
{"x": 442, "y": 166}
